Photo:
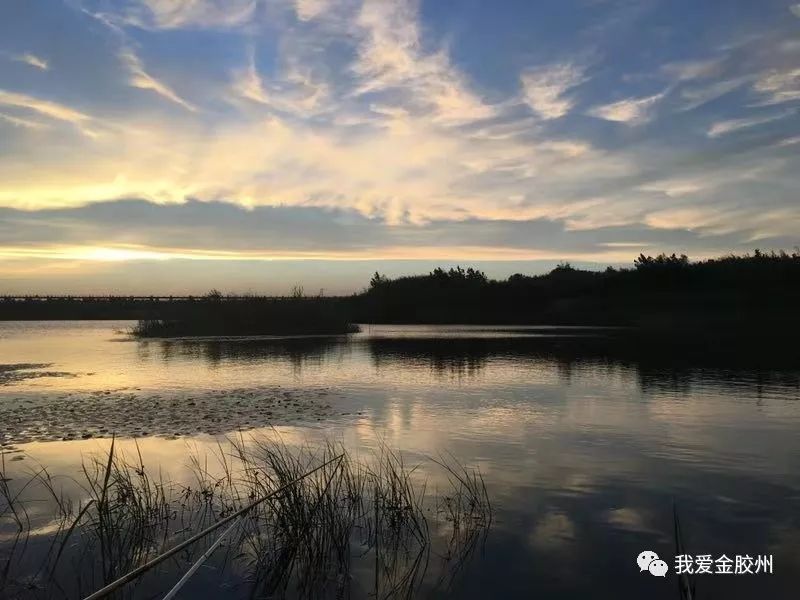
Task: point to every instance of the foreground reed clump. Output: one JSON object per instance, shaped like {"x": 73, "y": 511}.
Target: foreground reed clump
{"x": 350, "y": 528}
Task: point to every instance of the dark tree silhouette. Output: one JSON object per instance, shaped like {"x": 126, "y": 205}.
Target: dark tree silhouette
{"x": 666, "y": 292}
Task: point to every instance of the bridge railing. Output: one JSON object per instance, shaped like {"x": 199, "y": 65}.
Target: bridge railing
{"x": 98, "y": 298}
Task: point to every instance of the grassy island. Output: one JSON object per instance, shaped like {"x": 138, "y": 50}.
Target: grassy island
{"x": 217, "y": 315}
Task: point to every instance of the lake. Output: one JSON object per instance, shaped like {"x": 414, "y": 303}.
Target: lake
{"x": 587, "y": 449}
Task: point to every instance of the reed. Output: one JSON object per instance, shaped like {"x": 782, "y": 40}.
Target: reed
{"x": 313, "y": 539}
{"x": 245, "y": 316}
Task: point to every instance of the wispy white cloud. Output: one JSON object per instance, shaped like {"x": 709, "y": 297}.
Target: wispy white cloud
{"x": 139, "y": 78}
{"x": 20, "y": 122}
{"x": 247, "y": 82}
{"x": 723, "y": 127}
{"x": 696, "y": 96}
{"x": 50, "y": 109}
{"x": 678, "y": 186}
{"x": 726, "y": 220}
{"x": 795, "y": 8}
{"x": 693, "y": 69}
{"x": 790, "y": 46}
{"x": 789, "y": 141}
{"x": 296, "y": 92}
{"x": 632, "y": 111}
{"x": 390, "y": 51}
{"x": 54, "y": 111}
{"x": 390, "y": 58}
{"x": 32, "y": 60}
{"x": 545, "y": 89}
{"x": 685, "y": 212}
{"x": 173, "y": 12}
{"x": 778, "y": 86}
{"x": 310, "y": 9}
{"x": 183, "y": 14}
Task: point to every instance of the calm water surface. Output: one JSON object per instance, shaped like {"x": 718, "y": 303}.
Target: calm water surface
{"x": 585, "y": 449}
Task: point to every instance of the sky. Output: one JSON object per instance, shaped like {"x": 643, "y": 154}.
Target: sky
{"x": 169, "y": 146}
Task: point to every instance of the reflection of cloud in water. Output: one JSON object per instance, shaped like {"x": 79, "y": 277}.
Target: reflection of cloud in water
{"x": 553, "y": 532}
{"x": 629, "y": 519}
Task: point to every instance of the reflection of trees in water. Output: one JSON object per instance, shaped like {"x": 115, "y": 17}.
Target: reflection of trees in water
{"x": 299, "y": 352}
{"x": 144, "y": 350}
{"x": 454, "y": 358}
{"x": 665, "y": 378}
{"x": 657, "y": 365}
{"x": 467, "y": 357}
{"x": 684, "y": 378}
{"x": 680, "y": 366}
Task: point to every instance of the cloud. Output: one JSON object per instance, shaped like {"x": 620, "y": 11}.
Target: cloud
{"x": 723, "y": 127}
{"x": 46, "y": 108}
{"x": 32, "y": 60}
{"x": 223, "y": 231}
{"x": 182, "y": 14}
{"x": 296, "y": 92}
{"x": 310, "y": 9}
{"x": 356, "y": 112}
{"x": 632, "y": 111}
{"x": 763, "y": 61}
{"x": 778, "y": 86}
{"x": 418, "y": 173}
{"x": 697, "y": 96}
{"x": 390, "y": 58}
{"x": 20, "y": 122}
{"x": 389, "y": 54}
{"x": 545, "y": 89}
{"x": 721, "y": 203}
{"x": 715, "y": 221}
{"x": 675, "y": 187}
{"x": 707, "y": 179}
{"x": 248, "y": 83}
{"x": 693, "y": 69}
{"x": 139, "y": 78}
{"x": 795, "y": 8}
{"x": 789, "y": 46}
{"x": 789, "y": 141}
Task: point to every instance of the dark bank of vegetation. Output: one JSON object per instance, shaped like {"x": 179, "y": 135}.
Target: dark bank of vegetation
{"x": 214, "y": 316}
{"x": 658, "y": 293}
{"x": 756, "y": 292}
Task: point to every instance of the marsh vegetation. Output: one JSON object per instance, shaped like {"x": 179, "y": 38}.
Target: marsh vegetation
{"x": 665, "y": 294}
{"x": 216, "y": 315}
{"x": 325, "y": 515}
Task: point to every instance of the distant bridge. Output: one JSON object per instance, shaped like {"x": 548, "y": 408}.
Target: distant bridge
{"x": 48, "y": 307}
{"x": 122, "y": 298}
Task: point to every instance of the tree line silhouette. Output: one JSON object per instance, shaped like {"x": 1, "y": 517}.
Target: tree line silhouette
{"x": 660, "y": 292}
